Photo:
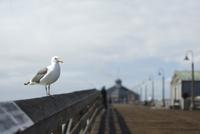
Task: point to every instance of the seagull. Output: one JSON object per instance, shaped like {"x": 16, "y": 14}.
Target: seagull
{"x": 47, "y": 75}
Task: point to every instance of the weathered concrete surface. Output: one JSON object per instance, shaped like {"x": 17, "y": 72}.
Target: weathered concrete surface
{"x": 41, "y": 108}
{"x": 49, "y": 113}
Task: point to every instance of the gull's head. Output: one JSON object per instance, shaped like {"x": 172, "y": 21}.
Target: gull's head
{"x": 56, "y": 59}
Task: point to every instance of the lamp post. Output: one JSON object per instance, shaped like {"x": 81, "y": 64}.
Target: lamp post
{"x": 139, "y": 90}
{"x": 152, "y": 80}
{"x": 145, "y": 93}
{"x": 143, "y": 84}
{"x": 192, "y": 65}
{"x": 162, "y": 73}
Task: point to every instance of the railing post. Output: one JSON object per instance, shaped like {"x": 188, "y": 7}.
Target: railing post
{"x": 69, "y": 126}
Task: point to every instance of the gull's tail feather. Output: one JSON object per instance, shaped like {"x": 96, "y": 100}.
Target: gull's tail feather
{"x": 27, "y": 83}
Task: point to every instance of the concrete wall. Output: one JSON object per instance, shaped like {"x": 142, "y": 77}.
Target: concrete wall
{"x": 176, "y": 93}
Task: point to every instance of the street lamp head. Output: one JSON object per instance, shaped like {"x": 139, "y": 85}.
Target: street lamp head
{"x": 186, "y": 58}
{"x": 159, "y": 73}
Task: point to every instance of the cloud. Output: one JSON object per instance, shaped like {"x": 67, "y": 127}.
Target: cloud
{"x": 96, "y": 39}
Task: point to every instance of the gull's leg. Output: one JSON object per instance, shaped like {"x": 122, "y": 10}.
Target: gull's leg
{"x": 46, "y": 89}
{"x": 49, "y": 90}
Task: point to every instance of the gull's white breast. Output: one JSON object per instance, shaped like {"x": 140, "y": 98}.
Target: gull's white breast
{"x": 52, "y": 75}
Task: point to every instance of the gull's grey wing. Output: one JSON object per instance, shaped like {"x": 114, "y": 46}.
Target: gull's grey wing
{"x": 39, "y": 75}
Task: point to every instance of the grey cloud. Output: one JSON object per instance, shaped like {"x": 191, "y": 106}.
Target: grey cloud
{"x": 94, "y": 37}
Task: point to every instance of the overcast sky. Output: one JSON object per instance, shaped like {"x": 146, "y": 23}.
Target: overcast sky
{"x": 99, "y": 41}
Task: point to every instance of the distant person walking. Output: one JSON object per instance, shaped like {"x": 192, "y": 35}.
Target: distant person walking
{"x": 104, "y": 97}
